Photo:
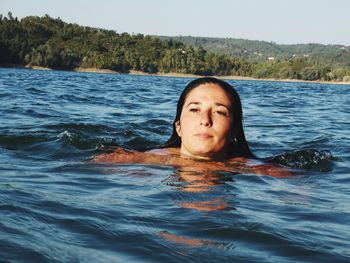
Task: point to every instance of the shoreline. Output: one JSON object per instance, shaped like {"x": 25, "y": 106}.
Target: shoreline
{"x": 177, "y": 75}
{"x": 183, "y": 75}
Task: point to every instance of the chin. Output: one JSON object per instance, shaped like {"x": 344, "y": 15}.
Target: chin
{"x": 210, "y": 153}
{"x": 206, "y": 153}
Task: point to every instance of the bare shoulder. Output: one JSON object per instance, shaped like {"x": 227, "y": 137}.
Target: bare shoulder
{"x": 239, "y": 160}
{"x": 258, "y": 167}
{"x": 172, "y": 157}
{"x": 165, "y": 151}
{"x": 120, "y": 155}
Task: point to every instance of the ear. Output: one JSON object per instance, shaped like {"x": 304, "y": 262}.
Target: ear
{"x": 178, "y": 128}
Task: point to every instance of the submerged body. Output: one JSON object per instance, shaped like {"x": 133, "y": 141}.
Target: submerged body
{"x": 207, "y": 134}
{"x": 173, "y": 157}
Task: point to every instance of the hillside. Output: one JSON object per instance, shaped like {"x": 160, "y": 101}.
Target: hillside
{"x": 52, "y": 43}
{"x": 257, "y": 51}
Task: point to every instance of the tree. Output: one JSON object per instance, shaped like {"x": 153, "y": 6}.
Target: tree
{"x": 50, "y": 42}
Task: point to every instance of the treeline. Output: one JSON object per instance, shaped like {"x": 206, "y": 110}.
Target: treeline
{"x": 52, "y": 43}
{"x": 48, "y": 42}
{"x": 254, "y": 50}
{"x": 300, "y": 61}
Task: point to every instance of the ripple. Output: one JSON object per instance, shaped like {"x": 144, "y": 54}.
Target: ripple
{"x": 57, "y": 207}
{"x": 309, "y": 159}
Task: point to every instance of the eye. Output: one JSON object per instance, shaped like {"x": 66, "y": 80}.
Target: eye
{"x": 222, "y": 113}
{"x": 194, "y": 110}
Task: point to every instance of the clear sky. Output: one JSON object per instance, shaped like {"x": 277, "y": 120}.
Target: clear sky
{"x": 280, "y": 21}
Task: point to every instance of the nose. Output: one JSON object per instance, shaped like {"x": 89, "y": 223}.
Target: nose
{"x": 206, "y": 119}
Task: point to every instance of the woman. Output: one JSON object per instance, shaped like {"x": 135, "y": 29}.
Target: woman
{"x": 207, "y": 127}
{"x": 214, "y": 109}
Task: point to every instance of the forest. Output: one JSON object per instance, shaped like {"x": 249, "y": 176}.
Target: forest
{"x": 52, "y": 43}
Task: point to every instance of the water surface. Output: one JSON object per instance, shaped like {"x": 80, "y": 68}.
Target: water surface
{"x": 57, "y": 207}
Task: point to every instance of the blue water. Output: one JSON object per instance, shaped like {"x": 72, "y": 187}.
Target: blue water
{"x": 55, "y": 206}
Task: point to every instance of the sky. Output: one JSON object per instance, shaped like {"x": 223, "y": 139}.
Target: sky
{"x": 279, "y": 21}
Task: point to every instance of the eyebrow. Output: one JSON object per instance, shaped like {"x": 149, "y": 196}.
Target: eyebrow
{"x": 216, "y": 104}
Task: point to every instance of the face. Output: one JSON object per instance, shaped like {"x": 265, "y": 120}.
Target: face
{"x": 205, "y": 122}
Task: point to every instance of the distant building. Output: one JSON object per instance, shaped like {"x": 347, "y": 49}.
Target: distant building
{"x": 271, "y": 58}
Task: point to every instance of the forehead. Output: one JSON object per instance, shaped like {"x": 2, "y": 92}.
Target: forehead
{"x": 208, "y": 92}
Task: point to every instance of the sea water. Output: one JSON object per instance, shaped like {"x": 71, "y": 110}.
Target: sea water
{"x": 56, "y": 206}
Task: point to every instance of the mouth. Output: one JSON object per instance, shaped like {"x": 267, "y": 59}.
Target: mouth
{"x": 203, "y": 136}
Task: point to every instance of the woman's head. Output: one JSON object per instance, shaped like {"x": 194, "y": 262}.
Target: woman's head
{"x": 208, "y": 122}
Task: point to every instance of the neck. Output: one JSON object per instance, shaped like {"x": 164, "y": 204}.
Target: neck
{"x": 216, "y": 157}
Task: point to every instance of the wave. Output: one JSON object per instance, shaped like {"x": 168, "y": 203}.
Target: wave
{"x": 307, "y": 159}
{"x": 66, "y": 140}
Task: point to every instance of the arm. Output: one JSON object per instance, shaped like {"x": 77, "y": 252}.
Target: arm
{"x": 244, "y": 165}
{"x": 240, "y": 165}
{"x": 124, "y": 156}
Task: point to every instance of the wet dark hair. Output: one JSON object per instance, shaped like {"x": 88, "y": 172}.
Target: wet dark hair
{"x": 238, "y": 146}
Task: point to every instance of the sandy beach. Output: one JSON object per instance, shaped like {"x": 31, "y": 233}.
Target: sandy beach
{"x": 181, "y": 75}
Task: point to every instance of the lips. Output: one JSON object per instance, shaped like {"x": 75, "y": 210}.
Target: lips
{"x": 203, "y": 135}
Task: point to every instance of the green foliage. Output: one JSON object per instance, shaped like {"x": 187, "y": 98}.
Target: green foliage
{"x": 301, "y": 61}
{"x": 52, "y": 43}
{"x": 260, "y": 51}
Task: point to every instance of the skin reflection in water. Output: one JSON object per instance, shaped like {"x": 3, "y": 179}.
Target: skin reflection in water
{"x": 199, "y": 176}
{"x": 183, "y": 240}
{"x": 198, "y": 181}
{"x": 212, "y": 205}
{"x": 201, "y": 182}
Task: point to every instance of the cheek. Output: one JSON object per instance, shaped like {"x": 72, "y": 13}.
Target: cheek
{"x": 225, "y": 128}
{"x": 185, "y": 123}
